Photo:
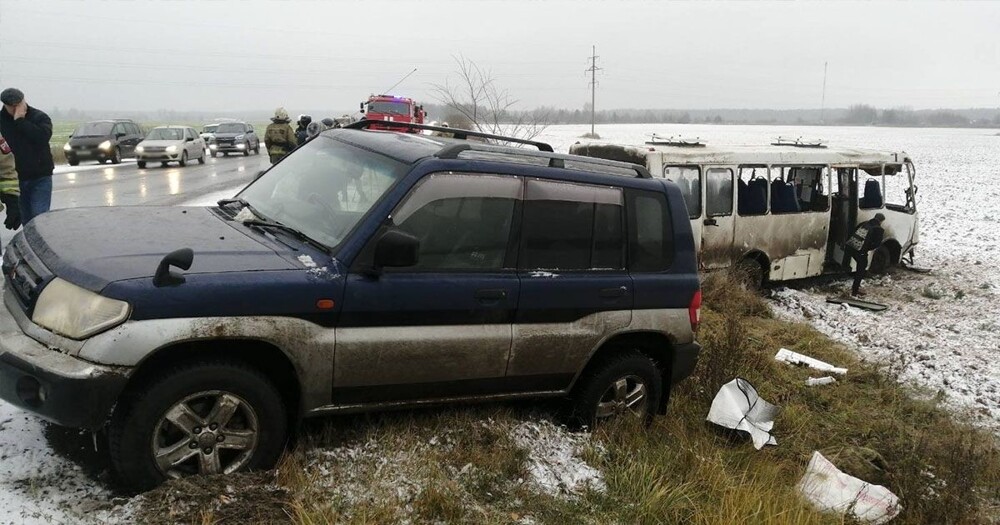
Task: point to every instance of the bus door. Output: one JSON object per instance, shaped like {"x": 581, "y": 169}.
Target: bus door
{"x": 688, "y": 178}
{"x": 718, "y": 223}
{"x": 843, "y": 212}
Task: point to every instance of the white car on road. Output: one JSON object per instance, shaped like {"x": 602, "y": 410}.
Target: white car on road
{"x": 171, "y": 143}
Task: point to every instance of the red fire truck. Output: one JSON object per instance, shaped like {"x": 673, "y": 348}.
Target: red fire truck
{"x": 389, "y": 108}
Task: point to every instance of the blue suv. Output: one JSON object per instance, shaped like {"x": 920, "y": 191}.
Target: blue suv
{"x": 367, "y": 270}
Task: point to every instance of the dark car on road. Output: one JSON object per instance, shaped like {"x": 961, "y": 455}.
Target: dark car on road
{"x": 367, "y": 270}
{"x": 234, "y": 137}
{"x": 103, "y": 141}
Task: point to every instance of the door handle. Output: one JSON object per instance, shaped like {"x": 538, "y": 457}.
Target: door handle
{"x": 613, "y": 293}
{"x": 710, "y": 222}
{"x": 491, "y": 295}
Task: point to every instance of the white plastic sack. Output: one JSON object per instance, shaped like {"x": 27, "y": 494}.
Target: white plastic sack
{"x": 796, "y": 358}
{"x": 829, "y": 489}
{"x": 739, "y": 407}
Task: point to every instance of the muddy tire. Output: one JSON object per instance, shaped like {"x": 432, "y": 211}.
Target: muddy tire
{"x": 202, "y": 417}
{"x": 881, "y": 260}
{"x": 750, "y": 272}
{"x": 625, "y": 383}
{"x": 141, "y": 164}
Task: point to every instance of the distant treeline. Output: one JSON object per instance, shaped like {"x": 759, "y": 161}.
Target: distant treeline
{"x": 855, "y": 115}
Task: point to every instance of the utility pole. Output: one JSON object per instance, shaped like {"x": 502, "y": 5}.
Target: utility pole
{"x": 593, "y": 69}
{"x": 822, "y": 104}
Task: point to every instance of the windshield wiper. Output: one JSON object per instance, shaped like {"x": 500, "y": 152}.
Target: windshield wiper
{"x": 296, "y": 233}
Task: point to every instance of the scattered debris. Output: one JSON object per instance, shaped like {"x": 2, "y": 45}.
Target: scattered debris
{"x": 829, "y": 489}
{"x": 817, "y": 381}
{"x": 245, "y": 215}
{"x": 857, "y": 303}
{"x": 739, "y": 407}
{"x": 795, "y": 358}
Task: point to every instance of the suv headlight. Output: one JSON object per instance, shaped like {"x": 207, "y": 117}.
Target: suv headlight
{"x": 105, "y": 145}
{"x": 171, "y": 149}
{"x": 67, "y": 147}
{"x": 74, "y": 312}
{"x": 139, "y": 149}
{"x": 239, "y": 137}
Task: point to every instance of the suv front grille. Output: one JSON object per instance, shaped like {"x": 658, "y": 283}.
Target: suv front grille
{"x": 155, "y": 149}
{"x": 23, "y": 271}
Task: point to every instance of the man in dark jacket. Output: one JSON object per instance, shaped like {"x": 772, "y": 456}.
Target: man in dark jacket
{"x": 301, "y": 135}
{"x": 28, "y": 131}
{"x": 866, "y": 237}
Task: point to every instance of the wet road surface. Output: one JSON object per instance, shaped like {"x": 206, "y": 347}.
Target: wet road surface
{"x": 93, "y": 184}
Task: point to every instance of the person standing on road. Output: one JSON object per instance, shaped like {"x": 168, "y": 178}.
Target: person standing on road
{"x": 866, "y": 237}
{"x": 28, "y": 131}
{"x": 279, "y": 138}
{"x": 10, "y": 193}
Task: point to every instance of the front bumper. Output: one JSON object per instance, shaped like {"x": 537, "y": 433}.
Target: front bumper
{"x": 685, "y": 359}
{"x": 158, "y": 156}
{"x": 58, "y": 387}
{"x": 239, "y": 147}
{"x": 89, "y": 154}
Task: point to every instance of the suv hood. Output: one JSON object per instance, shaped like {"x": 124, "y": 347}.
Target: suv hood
{"x": 230, "y": 135}
{"x": 93, "y": 247}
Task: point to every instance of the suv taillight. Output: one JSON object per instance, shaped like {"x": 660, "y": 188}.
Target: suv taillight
{"x": 694, "y": 311}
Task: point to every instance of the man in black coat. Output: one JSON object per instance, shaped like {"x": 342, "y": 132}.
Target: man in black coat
{"x": 866, "y": 237}
{"x": 28, "y": 131}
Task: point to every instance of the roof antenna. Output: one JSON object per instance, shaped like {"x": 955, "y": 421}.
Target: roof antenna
{"x": 400, "y": 81}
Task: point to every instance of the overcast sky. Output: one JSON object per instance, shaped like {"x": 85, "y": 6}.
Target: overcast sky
{"x": 239, "y": 55}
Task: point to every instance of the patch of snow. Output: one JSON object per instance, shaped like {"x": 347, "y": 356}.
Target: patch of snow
{"x": 539, "y": 273}
{"x": 307, "y": 261}
{"x": 554, "y": 457}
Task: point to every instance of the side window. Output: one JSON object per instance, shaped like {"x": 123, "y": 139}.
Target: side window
{"x": 118, "y": 129}
{"x": 751, "y": 190}
{"x": 719, "y": 192}
{"x": 463, "y": 221}
{"x": 870, "y": 191}
{"x": 651, "y": 232}
{"x": 689, "y": 180}
{"x": 249, "y": 128}
{"x": 190, "y": 133}
{"x": 897, "y": 187}
{"x": 800, "y": 189}
{"x": 570, "y": 226}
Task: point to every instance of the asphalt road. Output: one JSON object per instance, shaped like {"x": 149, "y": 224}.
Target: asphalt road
{"x": 93, "y": 184}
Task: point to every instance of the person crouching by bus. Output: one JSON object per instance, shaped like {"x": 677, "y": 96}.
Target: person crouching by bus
{"x": 866, "y": 237}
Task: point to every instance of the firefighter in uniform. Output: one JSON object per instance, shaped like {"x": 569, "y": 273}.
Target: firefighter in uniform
{"x": 279, "y": 139}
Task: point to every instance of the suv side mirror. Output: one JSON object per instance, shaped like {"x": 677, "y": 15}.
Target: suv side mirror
{"x": 395, "y": 249}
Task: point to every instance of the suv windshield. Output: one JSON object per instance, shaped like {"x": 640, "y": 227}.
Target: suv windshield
{"x": 94, "y": 129}
{"x": 166, "y": 134}
{"x": 324, "y": 188}
{"x": 392, "y": 108}
{"x": 230, "y": 128}
{"x": 210, "y": 128}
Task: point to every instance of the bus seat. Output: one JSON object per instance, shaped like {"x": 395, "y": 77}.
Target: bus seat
{"x": 757, "y": 197}
{"x": 873, "y": 195}
{"x": 783, "y": 199}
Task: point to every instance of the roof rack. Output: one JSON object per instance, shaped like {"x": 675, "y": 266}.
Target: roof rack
{"x": 798, "y": 142}
{"x": 454, "y": 132}
{"x": 657, "y": 140}
{"x": 555, "y": 160}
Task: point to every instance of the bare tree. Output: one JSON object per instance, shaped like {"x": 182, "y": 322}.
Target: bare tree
{"x": 477, "y": 96}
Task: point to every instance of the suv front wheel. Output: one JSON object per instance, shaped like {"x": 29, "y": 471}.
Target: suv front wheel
{"x": 620, "y": 384}
{"x": 207, "y": 417}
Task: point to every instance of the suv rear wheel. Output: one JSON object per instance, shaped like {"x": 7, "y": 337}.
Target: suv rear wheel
{"x": 624, "y": 383}
{"x": 207, "y": 417}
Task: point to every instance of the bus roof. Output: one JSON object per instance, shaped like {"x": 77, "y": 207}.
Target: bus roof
{"x": 765, "y": 154}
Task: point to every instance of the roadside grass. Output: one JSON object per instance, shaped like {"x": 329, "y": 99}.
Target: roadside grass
{"x": 463, "y": 465}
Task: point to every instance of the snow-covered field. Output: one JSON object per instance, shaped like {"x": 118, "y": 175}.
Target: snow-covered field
{"x": 942, "y": 330}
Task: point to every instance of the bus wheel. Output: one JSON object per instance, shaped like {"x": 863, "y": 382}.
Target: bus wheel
{"x": 881, "y": 260}
{"x": 751, "y": 273}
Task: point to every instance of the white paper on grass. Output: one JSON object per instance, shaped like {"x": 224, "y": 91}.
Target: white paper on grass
{"x": 816, "y": 381}
{"x": 739, "y": 407}
{"x": 829, "y": 489}
{"x": 796, "y": 358}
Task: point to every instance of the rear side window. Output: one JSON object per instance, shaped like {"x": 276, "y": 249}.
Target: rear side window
{"x": 688, "y": 179}
{"x": 463, "y": 221}
{"x": 651, "y": 231}
{"x": 570, "y": 226}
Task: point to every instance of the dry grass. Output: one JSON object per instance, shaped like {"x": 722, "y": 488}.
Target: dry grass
{"x": 460, "y": 465}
